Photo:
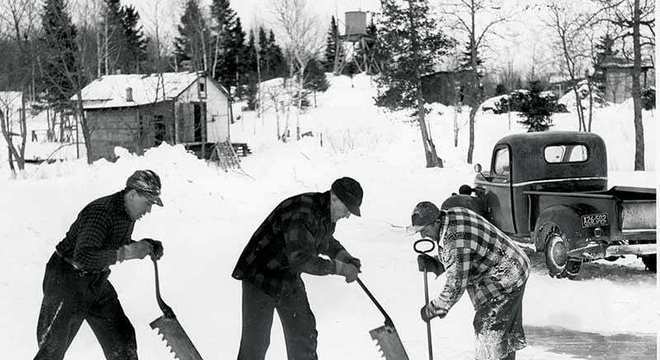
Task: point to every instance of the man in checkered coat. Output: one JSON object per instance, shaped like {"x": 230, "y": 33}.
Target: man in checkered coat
{"x": 477, "y": 257}
{"x": 76, "y": 286}
{"x": 287, "y": 244}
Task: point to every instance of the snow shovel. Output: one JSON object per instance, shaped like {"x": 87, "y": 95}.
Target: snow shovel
{"x": 168, "y": 326}
{"x": 386, "y": 336}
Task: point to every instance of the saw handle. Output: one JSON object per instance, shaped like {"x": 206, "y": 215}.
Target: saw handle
{"x": 388, "y": 321}
{"x": 167, "y": 311}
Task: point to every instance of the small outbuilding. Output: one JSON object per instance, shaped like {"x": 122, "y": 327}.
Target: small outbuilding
{"x": 137, "y": 111}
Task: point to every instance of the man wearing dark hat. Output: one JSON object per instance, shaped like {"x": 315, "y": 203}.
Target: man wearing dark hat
{"x": 479, "y": 258}
{"x": 76, "y": 285}
{"x": 287, "y": 244}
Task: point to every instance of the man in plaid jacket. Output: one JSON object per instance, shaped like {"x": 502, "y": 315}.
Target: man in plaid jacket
{"x": 479, "y": 258}
{"x": 285, "y": 245}
{"x": 76, "y": 286}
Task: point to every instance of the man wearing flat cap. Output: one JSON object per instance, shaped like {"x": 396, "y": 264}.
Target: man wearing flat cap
{"x": 287, "y": 244}
{"x": 76, "y": 286}
{"x": 480, "y": 259}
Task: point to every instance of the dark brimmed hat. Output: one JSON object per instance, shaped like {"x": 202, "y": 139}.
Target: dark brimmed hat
{"x": 349, "y": 191}
{"x": 424, "y": 214}
{"x": 147, "y": 184}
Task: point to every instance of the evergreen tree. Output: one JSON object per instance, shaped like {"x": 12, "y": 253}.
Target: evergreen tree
{"x": 604, "y": 50}
{"x": 225, "y": 22}
{"x": 192, "y": 44}
{"x": 315, "y": 78}
{"x": 537, "y": 109}
{"x": 136, "y": 42}
{"x": 250, "y": 71}
{"x": 465, "y": 60}
{"x": 59, "y": 49}
{"x": 235, "y": 68}
{"x": 277, "y": 63}
{"x": 412, "y": 41}
{"x": 331, "y": 46}
{"x": 114, "y": 40}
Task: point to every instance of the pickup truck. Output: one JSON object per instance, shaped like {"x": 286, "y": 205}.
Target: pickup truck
{"x": 549, "y": 189}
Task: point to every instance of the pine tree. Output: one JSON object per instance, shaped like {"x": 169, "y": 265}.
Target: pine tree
{"x": 604, "y": 51}
{"x": 59, "y": 49}
{"x": 315, "y": 78}
{"x": 465, "y": 60}
{"x": 537, "y": 109}
{"x": 136, "y": 42}
{"x": 114, "y": 40}
{"x": 412, "y": 42}
{"x": 331, "y": 46}
{"x": 192, "y": 44}
{"x": 250, "y": 71}
{"x": 225, "y": 19}
{"x": 235, "y": 69}
{"x": 276, "y": 56}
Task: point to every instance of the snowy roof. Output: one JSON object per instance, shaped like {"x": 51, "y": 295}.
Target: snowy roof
{"x": 110, "y": 90}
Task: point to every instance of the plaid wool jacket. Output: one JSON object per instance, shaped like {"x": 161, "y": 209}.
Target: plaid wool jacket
{"x": 102, "y": 227}
{"x": 478, "y": 257}
{"x": 289, "y": 242}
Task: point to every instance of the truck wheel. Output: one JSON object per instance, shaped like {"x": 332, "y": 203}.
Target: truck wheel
{"x": 650, "y": 261}
{"x": 556, "y": 252}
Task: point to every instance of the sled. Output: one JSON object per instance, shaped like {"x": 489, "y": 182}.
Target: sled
{"x": 386, "y": 336}
{"x": 171, "y": 330}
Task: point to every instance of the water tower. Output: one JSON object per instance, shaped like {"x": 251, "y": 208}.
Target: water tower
{"x": 356, "y": 45}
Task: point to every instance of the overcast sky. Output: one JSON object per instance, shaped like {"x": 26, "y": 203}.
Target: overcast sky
{"x": 522, "y": 38}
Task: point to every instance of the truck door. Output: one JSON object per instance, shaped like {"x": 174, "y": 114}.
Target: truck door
{"x": 499, "y": 198}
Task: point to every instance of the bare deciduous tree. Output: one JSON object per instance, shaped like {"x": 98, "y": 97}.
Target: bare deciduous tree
{"x": 477, "y": 19}
{"x": 303, "y": 41}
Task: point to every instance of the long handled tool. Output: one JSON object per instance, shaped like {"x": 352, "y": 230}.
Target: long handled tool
{"x": 386, "y": 336}
{"x": 168, "y": 326}
{"x": 419, "y": 250}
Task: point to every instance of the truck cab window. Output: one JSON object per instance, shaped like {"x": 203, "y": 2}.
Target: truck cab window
{"x": 502, "y": 165}
{"x": 566, "y": 153}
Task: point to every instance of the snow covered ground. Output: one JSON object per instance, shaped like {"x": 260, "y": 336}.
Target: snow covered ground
{"x": 611, "y": 312}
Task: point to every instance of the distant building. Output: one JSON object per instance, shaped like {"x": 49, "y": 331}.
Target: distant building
{"x": 141, "y": 111}
{"x": 618, "y": 78}
{"x": 447, "y": 87}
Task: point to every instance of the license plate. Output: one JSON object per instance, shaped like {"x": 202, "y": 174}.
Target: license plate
{"x": 594, "y": 220}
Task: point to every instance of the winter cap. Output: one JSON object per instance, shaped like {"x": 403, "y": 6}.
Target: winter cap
{"x": 147, "y": 183}
{"x": 424, "y": 213}
{"x": 349, "y": 191}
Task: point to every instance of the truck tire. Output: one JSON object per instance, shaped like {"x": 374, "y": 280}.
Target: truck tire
{"x": 556, "y": 251}
{"x": 650, "y": 261}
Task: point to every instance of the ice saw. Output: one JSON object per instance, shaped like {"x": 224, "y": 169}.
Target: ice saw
{"x": 386, "y": 336}
{"x": 168, "y": 326}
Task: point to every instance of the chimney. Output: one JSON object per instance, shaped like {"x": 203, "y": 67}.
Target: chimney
{"x": 129, "y": 94}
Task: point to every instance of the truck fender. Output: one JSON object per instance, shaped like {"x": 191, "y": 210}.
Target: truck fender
{"x": 567, "y": 218}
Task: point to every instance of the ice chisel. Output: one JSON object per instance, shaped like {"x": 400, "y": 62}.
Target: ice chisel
{"x": 171, "y": 330}
{"x": 386, "y": 336}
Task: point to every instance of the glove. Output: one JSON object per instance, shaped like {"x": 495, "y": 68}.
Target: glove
{"x": 136, "y": 250}
{"x": 429, "y": 311}
{"x": 348, "y": 271}
{"x": 157, "y": 247}
{"x": 430, "y": 263}
{"x": 345, "y": 257}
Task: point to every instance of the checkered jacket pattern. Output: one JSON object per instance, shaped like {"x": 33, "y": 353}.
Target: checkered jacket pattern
{"x": 479, "y": 258}
{"x": 102, "y": 227}
{"x": 289, "y": 242}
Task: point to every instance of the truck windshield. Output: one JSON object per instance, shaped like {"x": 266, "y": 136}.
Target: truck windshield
{"x": 566, "y": 153}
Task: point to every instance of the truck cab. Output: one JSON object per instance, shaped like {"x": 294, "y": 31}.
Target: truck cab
{"x": 550, "y": 189}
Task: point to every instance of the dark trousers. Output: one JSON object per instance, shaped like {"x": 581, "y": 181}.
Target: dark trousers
{"x": 498, "y": 325}
{"x": 298, "y": 322}
{"x": 71, "y": 296}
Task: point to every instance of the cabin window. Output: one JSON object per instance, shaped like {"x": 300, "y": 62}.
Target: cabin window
{"x": 566, "y": 153}
{"x": 201, "y": 87}
{"x": 502, "y": 165}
